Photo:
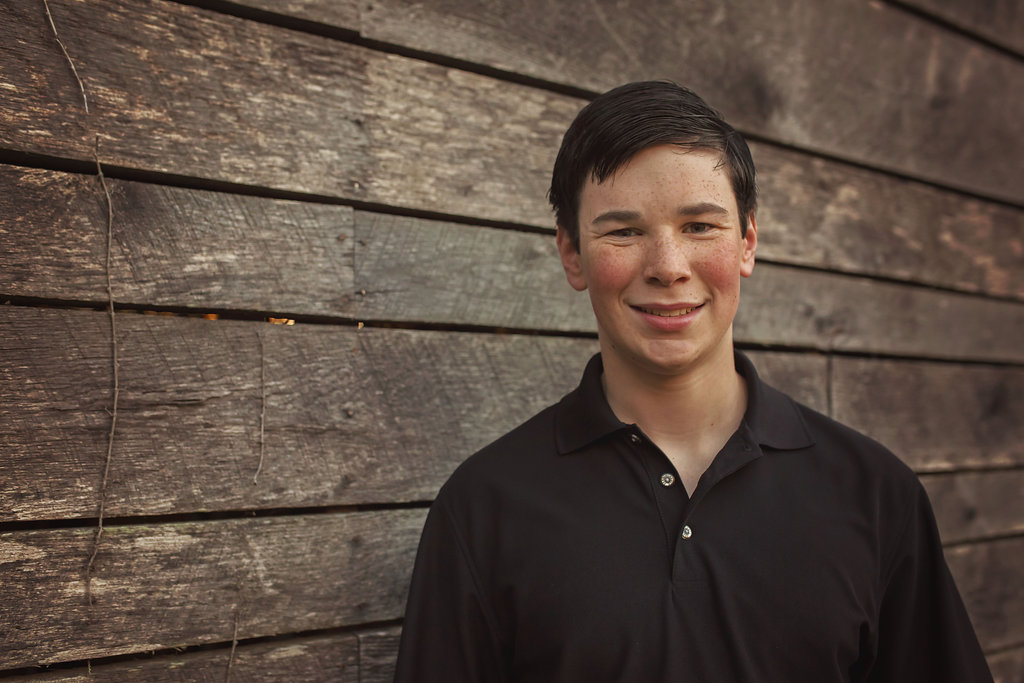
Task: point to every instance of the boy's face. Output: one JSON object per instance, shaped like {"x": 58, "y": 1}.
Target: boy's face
{"x": 662, "y": 256}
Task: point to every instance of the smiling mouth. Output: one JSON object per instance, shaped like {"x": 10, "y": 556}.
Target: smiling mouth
{"x": 673, "y": 313}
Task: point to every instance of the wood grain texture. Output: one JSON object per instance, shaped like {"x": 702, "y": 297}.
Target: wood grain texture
{"x": 284, "y": 574}
{"x": 1000, "y": 21}
{"x": 794, "y": 72}
{"x": 352, "y": 416}
{"x": 819, "y": 213}
{"x": 484, "y": 150}
{"x": 378, "y": 652}
{"x": 988, "y": 576}
{"x": 1008, "y": 666}
{"x": 181, "y": 90}
{"x": 344, "y": 14}
{"x": 318, "y": 658}
{"x": 178, "y": 247}
{"x": 936, "y": 416}
{"x": 166, "y": 585}
{"x": 976, "y": 505}
{"x": 828, "y": 311}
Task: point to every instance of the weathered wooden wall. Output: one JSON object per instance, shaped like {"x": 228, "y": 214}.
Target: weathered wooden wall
{"x": 375, "y": 171}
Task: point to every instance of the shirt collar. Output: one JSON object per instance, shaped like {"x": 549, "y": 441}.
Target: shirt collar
{"x": 772, "y": 417}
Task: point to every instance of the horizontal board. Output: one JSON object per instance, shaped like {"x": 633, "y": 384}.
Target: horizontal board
{"x": 177, "y": 247}
{"x": 378, "y": 652}
{"x": 936, "y": 416}
{"x": 796, "y": 72}
{"x": 321, "y": 116}
{"x": 169, "y": 585}
{"x": 351, "y": 416}
{"x": 973, "y": 505}
{"x": 1000, "y": 21}
{"x": 318, "y": 658}
{"x": 1008, "y": 666}
{"x": 827, "y": 311}
{"x": 819, "y": 213}
{"x": 484, "y": 150}
{"x": 342, "y": 14}
{"x": 988, "y": 576}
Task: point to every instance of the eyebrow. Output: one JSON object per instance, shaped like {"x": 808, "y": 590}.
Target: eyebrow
{"x": 626, "y": 216}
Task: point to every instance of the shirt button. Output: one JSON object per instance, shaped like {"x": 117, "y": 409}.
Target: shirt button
{"x": 687, "y": 532}
{"x": 667, "y": 479}
{"x": 634, "y": 438}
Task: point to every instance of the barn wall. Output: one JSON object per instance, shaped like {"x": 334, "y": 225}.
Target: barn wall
{"x": 374, "y": 172}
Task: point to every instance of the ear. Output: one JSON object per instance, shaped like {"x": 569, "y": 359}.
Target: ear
{"x": 749, "y": 247}
{"x": 570, "y": 260}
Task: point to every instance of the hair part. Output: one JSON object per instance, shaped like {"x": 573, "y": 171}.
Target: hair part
{"x": 626, "y": 120}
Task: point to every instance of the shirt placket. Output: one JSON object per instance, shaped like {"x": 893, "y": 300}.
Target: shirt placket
{"x": 678, "y": 511}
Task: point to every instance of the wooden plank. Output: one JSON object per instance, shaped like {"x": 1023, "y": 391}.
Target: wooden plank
{"x": 321, "y": 116}
{"x": 1000, "y": 21}
{"x": 988, "y": 576}
{"x": 483, "y": 150}
{"x": 352, "y": 416}
{"x": 773, "y": 70}
{"x": 976, "y": 505}
{"x": 377, "y": 654}
{"x": 827, "y": 311}
{"x": 823, "y": 214}
{"x": 166, "y": 585}
{"x": 172, "y": 247}
{"x": 178, "y": 247}
{"x": 1008, "y": 666}
{"x": 936, "y": 416}
{"x": 169, "y": 585}
{"x": 317, "y": 658}
{"x": 342, "y": 14}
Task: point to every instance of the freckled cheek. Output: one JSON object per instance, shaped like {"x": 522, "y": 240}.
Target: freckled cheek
{"x": 611, "y": 272}
{"x": 719, "y": 270}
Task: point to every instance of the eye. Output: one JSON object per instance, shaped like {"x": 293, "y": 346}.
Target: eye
{"x": 698, "y": 228}
{"x": 623, "y": 232}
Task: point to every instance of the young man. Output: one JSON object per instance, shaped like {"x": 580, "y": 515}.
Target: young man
{"x": 674, "y": 518}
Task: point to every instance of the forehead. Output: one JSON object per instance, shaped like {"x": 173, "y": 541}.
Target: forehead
{"x": 660, "y": 177}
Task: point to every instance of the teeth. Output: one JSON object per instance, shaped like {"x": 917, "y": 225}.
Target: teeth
{"x": 669, "y": 314}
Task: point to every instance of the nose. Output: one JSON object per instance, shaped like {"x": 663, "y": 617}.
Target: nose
{"x": 666, "y": 260}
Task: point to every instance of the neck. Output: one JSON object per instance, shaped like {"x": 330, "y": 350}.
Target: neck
{"x": 689, "y": 415}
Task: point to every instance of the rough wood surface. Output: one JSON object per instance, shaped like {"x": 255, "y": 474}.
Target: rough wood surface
{"x": 974, "y": 505}
{"x": 1001, "y": 21}
{"x": 166, "y": 585}
{"x": 484, "y": 150}
{"x": 352, "y": 416}
{"x": 936, "y": 416}
{"x": 319, "y": 658}
{"x": 378, "y": 651}
{"x": 819, "y": 213}
{"x": 1008, "y": 666}
{"x": 179, "y": 247}
{"x": 182, "y": 90}
{"x": 827, "y": 311}
{"x": 286, "y": 574}
{"x": 797, "y": 72}
{"x": 343, "y": 14}
{"x": 988, "y": 576}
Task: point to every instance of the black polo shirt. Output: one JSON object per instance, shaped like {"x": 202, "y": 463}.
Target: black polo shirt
{"x": 568, "y": 550}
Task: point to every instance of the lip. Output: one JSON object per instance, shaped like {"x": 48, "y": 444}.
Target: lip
{"x": 668, "y": 317}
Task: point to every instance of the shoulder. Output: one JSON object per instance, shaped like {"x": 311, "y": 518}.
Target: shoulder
{"x": 521, "y": 454}
{"x": 839, "y": 441}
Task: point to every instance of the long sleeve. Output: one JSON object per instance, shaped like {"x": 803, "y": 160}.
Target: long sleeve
{"x": 448, "y": 634}
{"x": 924, "y": 632}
